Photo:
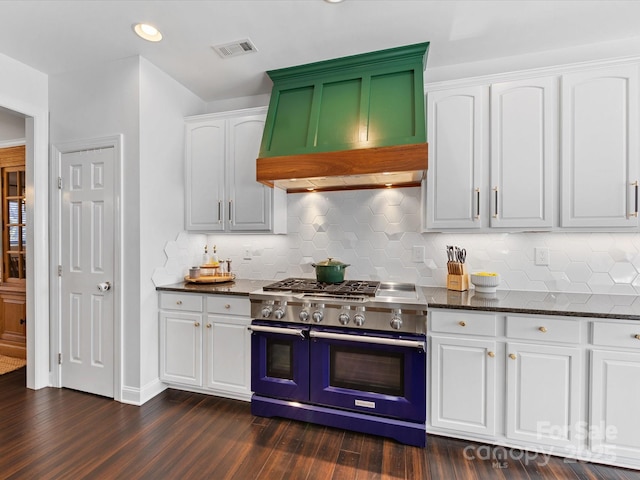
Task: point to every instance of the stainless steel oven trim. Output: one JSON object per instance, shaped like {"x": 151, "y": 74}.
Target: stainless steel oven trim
{"x": 366, "y": 339}
{"x": 278, "y": 330}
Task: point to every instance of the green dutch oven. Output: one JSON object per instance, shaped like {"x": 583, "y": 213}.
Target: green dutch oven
{"x": 330, "y": 271}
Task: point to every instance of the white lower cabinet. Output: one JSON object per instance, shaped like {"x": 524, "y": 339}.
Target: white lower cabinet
{"x": 615, "y": 391}
{"x": 463, "y": 384}
{"x": 209, "y": 348}
{"x": 543, "y": 394}
{"x": 181, "y": 348}
{"x": 567, "y": 386}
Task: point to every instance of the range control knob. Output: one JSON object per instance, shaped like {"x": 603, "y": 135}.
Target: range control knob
{"x": 344, "y": 318}
{"x": 396, "y": 322}
{"x": 266, "y": 311}
{"x": 304, "y": 315}
{"x": 317, "y": 316}
{"x": 279, "y": 313}
{"x": 358, "y": 319}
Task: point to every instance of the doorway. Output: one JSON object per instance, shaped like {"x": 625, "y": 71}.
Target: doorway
{"x": 13, "y": 239}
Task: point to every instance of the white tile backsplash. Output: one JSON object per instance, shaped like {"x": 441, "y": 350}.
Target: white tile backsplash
{"x": 375, "y": 231}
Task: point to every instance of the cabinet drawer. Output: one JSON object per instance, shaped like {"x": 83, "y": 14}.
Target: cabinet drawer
{"x": 181, "y": 301}
{"x": 226, "y": 304}
{"x": 616, "y": 334}
{"x": 464, "y": 322}
{"x": 543, "y": 329}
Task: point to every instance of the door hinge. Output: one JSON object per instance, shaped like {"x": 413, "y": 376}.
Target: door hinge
{"x": 59, "y": 270}
{"x": 59, "y": 183}
{"x": 59, "y": 359}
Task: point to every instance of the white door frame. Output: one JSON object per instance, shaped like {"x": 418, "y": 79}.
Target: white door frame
{"x": 57, "y": 151}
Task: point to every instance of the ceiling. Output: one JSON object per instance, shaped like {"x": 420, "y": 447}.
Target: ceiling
{"x": 60, "y": 36}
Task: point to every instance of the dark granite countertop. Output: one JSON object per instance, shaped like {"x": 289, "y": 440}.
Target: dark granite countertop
{"x": 625, "y": 307}
{"x": 237, "y": 287}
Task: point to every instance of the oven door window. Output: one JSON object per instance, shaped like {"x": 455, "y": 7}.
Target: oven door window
{"x": 279, "y": 359}
{"x": 367, "y": 371}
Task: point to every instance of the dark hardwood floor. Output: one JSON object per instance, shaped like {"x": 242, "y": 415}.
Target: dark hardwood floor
{"x": 63, "y": 434}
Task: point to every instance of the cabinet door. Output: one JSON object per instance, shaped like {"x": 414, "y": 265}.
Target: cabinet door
{"x": 615, "y": 395}
{"x": 524, "y": 152}
{"x": 463, "y": 384}
{"x": 249, "y": 205}
{"x": 181, "y": 348}
{"x": 228, "y": 363}
{"x": 204, "y": 175}
{"x": 599, "y": 159}
{"x": 455, "y": 133}
{"x": 543, "y": 394}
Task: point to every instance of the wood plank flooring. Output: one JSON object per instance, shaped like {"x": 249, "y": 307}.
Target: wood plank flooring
{"x": 63, "y": 434}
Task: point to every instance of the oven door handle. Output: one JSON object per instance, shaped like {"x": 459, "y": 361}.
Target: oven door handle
{"x": 279, "y": 330}
{"x": 396, "y": 342}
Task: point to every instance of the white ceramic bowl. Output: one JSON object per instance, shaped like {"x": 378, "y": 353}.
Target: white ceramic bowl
{"x": 487, "y": 283}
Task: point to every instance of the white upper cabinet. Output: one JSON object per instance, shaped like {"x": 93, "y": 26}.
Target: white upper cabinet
{"x": 222, "y": 194}
{"x": 599, "y": 160}
{"x": 455, "y": 134}
{"x": 524, "y": 152}
{"x": 204, "y": 174}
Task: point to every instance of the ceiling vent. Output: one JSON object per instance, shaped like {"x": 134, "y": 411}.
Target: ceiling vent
{"x": 234, "y": 49}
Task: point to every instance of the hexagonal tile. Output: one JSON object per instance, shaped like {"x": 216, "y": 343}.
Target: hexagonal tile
{"x": 623, "y": 273}
{"x": 600, "y": 262}
{"x": 578, "y": 272}
{"x": 600, "y": 283}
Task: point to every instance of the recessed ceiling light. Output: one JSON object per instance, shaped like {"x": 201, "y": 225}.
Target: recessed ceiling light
{"x": 148, "y": 32}
{"x": 333, "y": 1}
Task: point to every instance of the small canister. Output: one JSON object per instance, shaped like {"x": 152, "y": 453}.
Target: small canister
{"x": 194, "y": 272}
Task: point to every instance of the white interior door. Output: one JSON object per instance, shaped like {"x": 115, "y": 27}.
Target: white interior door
{"x": 87, "y": 259}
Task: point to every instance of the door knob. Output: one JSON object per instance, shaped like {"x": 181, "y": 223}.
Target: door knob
{"x": 104, "y": 286}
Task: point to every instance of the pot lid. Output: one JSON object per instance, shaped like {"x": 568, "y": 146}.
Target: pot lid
{"x": 330, "y": 262}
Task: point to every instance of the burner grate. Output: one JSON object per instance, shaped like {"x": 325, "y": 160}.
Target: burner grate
{"x": 309, "y": 285}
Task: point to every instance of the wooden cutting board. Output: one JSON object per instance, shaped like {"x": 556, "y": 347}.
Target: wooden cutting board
{"x": 211, "y": 278}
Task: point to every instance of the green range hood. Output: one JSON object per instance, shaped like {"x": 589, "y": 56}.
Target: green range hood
{"x": 350, "y": 123}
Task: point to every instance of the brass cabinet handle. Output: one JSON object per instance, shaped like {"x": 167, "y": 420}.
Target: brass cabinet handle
{"x": 512, "y": 356}
{"x": 208, "y": 325}
{"x": 227, "y": 306}
{"x": 197, "y": 324}
{"x": 462, "y": 324}
{"x": 543, "y": 329}
{"x": 491, "y": 354}
{"x": 179, "y": 302}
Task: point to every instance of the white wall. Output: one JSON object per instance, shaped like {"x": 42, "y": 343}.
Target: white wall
{"x": 95, "y": 103}
{"x": 12, "y": 127}
{"x": 163, "y": 105}
{"x": 24, "y": 90}
{"x": 134, "y": 98}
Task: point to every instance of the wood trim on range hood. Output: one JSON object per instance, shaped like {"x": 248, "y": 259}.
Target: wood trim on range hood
{"x": 379, "y": 167}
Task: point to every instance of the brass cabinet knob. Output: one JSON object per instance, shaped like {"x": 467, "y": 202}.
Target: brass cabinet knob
{"x": 462, "y": 324}
{"x": 638, "y": 336}
{"x": 208, "y": 325}
{"x": 491, "y": 354}
{"x": 512, "y": 356}
{"x": 179, "y": 302}
{"x": 197, "y": 324}
{"x": 227, "y": 306}
{"x": 543, "y": 329}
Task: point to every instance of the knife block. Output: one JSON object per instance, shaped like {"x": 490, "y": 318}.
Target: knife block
{"x": 458, "y": 282}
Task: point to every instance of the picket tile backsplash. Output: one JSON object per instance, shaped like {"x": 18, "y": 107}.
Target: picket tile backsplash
{"x": 375, "y": 231}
